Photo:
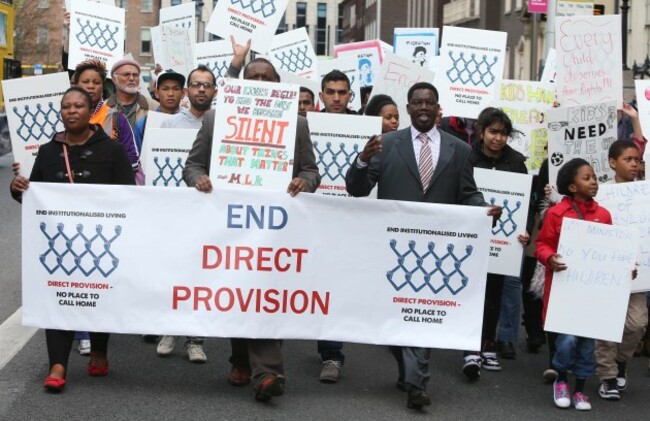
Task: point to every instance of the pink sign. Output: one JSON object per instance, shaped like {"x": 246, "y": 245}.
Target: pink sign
{"x": 537, "y": 6}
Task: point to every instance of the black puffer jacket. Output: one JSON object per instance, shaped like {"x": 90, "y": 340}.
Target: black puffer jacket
{"x": 510, "y": 160}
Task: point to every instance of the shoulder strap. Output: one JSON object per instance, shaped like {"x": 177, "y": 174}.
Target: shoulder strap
{"x": 577, "y": 209}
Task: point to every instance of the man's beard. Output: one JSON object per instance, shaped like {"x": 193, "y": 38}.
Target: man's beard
{"x": 127, "y": 89}
{"x": 201, "y": 107}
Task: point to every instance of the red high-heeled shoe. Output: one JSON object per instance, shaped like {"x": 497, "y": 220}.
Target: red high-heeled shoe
{"x": 54, "y": 384}
{"x": 96, "y": 371}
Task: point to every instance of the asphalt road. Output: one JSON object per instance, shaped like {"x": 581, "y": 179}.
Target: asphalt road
{"x": 143, "y": 386}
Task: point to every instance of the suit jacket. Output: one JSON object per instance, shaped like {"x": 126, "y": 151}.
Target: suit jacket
{"x": 304, "y": 160}
{"x": 396, "y": 172}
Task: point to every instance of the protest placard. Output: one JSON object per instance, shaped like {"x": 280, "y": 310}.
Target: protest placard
{"x": 629, "y": 204}
{"x": 599, "y": 260}
{"x": 310, "y": 84}
{"x": 397, "y": 76}
{"x": 369, "y": 54}
{"x": 589, "y": 58}
{"x": 338, "y": 139}
{"x": 471, "y": 68}
{"x": 96, "y": 33}
{"x": 584, "y": 131}
{"x": 419, "y": 45}
{"x": 33, "y": 107}
{"x": 642, "y": 90}
{"x": 251, "y": 264}
{"x": 166, "y": 151}
{"x": 293, "y": 52}
{"x": 180, "y": 16}
{"x": 347, "y": 65}
{"x": 215, "y": 55}
{"x": 549, "y": 74}
{"x": 254, "y": 134}
{"x": 574, "y": 8}
{"x": 254, "y": 20}
{"x": 177, "y": 49}
{"x": 512, "y": 192}
{"x": 527, "y": 103}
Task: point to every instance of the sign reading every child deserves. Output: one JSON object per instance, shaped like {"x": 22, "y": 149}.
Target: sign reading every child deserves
{"x": 599, "y": 260}
{"x": 253, "y": 264}
{"x": 96, "y": 33}
{"x": 629, "y": 204}
{"x": 338, "y": 139}
{"x": 470, "y": 69}
{"x": 254, "y": 134}
{"x": 512, "y": 192}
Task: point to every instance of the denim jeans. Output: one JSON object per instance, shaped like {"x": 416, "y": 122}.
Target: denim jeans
{"x": 331, "y": 350}
{"x": 576, "y": 354}
{"x": 510, "y": 313}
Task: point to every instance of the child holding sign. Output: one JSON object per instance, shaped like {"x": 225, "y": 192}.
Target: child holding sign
{"x": 625, "y": 160}
{"x": 577, "y": 181}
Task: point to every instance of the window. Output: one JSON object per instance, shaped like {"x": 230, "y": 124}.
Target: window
{"x": 147, "y": 6}
{"x": 43, "y": 4}
{"x": 301, "y": 14}
{"x": 145, "y": 41}
{"x": 42, "y": 36}
{"x": 124, "y": 4}
{"x": 507, "y": 7}
{"x": 176, "y": 2}
{"x": 321, "y": 30}
{"x": 282, "y": 27}
{"x": 339, "y": 29}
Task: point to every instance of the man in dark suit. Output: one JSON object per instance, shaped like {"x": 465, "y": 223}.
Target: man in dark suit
{"x": 417, "y": 164}
{"x": 262, "y": 356}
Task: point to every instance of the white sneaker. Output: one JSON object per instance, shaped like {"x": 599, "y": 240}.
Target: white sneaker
{"x": 195, "y": 352}
{"x": 489, "y": 361}
{"x": 84, "y": 346}
{"x": 166, "y": 345}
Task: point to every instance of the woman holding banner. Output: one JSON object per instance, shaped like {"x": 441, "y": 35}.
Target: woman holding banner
{"x": 82, "y": 153}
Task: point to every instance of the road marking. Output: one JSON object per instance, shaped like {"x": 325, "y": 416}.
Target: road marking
{"x": 13, "y": 337}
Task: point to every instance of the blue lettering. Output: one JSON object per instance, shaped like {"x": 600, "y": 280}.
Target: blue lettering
{"x": 232, "y": 216}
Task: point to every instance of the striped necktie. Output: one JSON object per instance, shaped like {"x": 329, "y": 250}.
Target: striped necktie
{"x": 426, "y": 161}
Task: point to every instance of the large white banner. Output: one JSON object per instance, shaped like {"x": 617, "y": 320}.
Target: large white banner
{"x": 164, "y": 154}
{"x": 96, "y": 33}
{"x": 471, "y": 68}
{"x": 33, "y": 106}
{"x": 512, "y": 192}
{"x": 396, "y": 78}
{"x": 527, "y": 104}
{"x": 589, "y": 58}
{"x": 348, "y": 65}
{"x": 420, "y": 45}
{"x": 629, "y": 204}
{"x": 251, "y": 19}
{"x": 180, "y": 16}
{"x": 254, "y": 264}
{"x": 293, "y": 52}
{"x": 338, "y": 139}
{"x": 584, "y": 131}
{"x": 590, "y": 297}
{"x": 254, "y": 134}
{"x": 642, "y": 89}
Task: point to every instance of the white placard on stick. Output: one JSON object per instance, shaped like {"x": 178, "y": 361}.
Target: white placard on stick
{"x": 254, "y": 134}
{"x": 512, "y": 192}
{"x": 177, "y": 49}
{"x": 629, "y": 204}
{"x": 166, "y": 153}
{"x": 96, "y": 33}
{"x": 471, "y": 68}
{"x": 420, "y": 45}
{"x": 590, "y": 297}
{"x": 293, "y": 52}
{"x": 589, "y": 58}
{"x": 180, "y": 16}
{"x": 216, "y": 55}
{"x": 642, "y": 89}
{"x": 338, "y": 139}
{"x": 255, "y": 20}
{"x": 251, "y": 264}
{"x": 369, "y": 55}
{"x": 348, "y": 65}
{"x": 584, "y": 131}
{"x": 33, "y": 106}
{"x": 397, "y": 76}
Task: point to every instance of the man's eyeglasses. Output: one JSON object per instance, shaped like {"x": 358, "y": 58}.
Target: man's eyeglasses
{"x": 129, "y": 75}
{"x": 204, "y": 85}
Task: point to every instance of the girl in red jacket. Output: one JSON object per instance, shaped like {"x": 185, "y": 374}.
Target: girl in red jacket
{"x": 577, "y": 181}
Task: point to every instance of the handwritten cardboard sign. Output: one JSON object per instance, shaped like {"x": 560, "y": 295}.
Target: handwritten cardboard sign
{"x": 180, "y": 16}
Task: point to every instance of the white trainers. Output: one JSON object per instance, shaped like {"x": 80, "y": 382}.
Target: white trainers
{"x": 195, "y": 353}
{"x": 581, "y": 402}
{"x": 561, "y": 394}
{"x": 84, "y": 346}
{"x": 472, "y": 366}
{"x": 490, "y": 361}
{"x": 166, "y": 345}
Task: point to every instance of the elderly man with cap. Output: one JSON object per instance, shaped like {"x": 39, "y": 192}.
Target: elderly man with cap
{"x": 126, "y": 77}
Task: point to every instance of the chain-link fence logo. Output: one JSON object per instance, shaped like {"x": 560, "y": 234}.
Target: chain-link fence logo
{"x": 506, "y": 224}
{"x": 218, "y": 67}
{"x": 94, "y": 34}
{"x": 295, "y": 59}
{"x": 334, "y": 162}
{"x": 86, "y": 252}
{"x": 477, "y": 70}
{"x": 265, "y": 7}
{"x": 428, "y": 268}
{"x": 39, "y": 123}
{"x": 168, "y": 171}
